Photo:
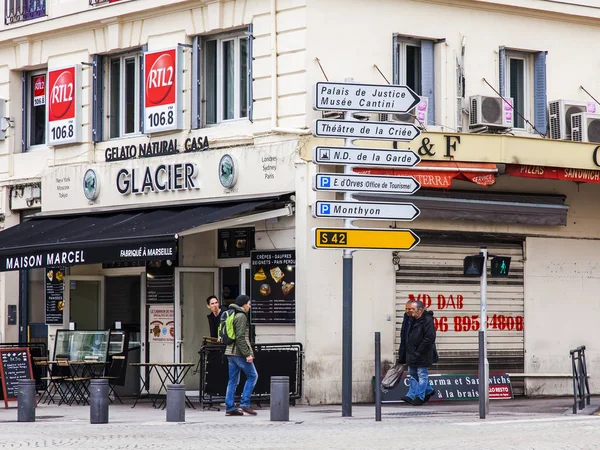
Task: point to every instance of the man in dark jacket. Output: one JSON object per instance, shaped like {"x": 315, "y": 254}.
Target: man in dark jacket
{"x": 240, "y": 357}
{"x": 406, "y": 322}
{"x": 420, "y": 344}
{"x": 214, "y": 317}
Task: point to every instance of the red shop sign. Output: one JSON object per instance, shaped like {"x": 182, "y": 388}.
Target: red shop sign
{"x": 63, "y": 100}
{"x": 162, "y": 97}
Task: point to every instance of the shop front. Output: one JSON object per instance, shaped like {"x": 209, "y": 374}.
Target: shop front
{"x": 113, "y": 250}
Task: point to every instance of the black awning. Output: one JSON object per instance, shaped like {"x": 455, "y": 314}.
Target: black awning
{"x": 141, "y": 235}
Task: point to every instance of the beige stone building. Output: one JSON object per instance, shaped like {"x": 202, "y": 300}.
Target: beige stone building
{"x": 173, "y": 126}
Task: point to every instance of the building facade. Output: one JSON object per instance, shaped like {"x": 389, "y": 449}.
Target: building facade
{"x": 114, "y": 109}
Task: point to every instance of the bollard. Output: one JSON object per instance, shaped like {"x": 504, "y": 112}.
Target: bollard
{"x": 175, "y": 403}
{"x": 26, "y": 401}
{"x": 98, "y": 401}
{"x": 280, "y": 399}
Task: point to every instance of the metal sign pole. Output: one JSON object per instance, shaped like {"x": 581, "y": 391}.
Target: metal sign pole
{"x": 484, "y": 375}
{"x": 347, "y": 282}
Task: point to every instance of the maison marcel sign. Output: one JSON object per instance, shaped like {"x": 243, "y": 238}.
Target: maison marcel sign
{"x": 155, "y": 148}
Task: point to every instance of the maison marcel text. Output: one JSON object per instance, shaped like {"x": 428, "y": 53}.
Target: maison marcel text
{"x": 151, "y": 149}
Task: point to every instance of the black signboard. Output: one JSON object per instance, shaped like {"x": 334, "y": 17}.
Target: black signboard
{"x": 72, "y": 256}
{"x": 55, "y": 288}
{"x": 15, "y": 365}
{"x": 273, "y": 280}
{"x": 235, "y": 242}
{"x": 160, "y": 282}
{"x": 453, "y": 387}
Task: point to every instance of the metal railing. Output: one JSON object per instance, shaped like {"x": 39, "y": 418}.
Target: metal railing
{"x": 99, "y": 2}
{"x": 21, "y": 10}
{"x": 581, "y": 387}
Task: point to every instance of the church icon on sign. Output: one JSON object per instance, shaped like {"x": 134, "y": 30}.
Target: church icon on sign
{"x": 324, "y": 154}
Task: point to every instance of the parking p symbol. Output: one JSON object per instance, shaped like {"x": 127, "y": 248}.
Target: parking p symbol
{"x": 324, "y": 208}
{"x": 324, "y": 182}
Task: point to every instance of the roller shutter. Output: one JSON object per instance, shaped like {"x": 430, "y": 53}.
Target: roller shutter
{"x": 434, "y": 275}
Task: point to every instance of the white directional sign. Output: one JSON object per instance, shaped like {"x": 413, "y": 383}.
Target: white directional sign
{"x": 339, "y": 182}
{"x": 388, "y": 131}
{"x": 365, "y": 156}
{"x": 364, "y": 97}
{"x": 365, "y": 210}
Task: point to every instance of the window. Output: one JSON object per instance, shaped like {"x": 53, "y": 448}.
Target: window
{"x": 523, "y": 78}
{"x": 34, "y": 111}
{"x": 226, "y": 75}
{"x": 517, "y": 86}
{"x": 124, "y": 74}
{"x": 20, "y": 10}
{"x": 414, "y": 67}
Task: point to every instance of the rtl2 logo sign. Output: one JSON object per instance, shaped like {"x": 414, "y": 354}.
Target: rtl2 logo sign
{"x": 64, "y": 105}
{"x": 162, "y": 90}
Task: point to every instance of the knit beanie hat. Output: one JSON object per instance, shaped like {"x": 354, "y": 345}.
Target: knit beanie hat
{"x": 241, "y": 300}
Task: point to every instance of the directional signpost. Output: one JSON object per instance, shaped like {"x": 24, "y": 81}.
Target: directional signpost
{"x": 364, "y": 238}
{"x": 364, "y": 97}
{"x": 353, "y": 97}
{"x": 356, "y": 129}
{"x": 365, "y": 157}
{"x": 385, "y": 184}
{"x": 365, "y": 210}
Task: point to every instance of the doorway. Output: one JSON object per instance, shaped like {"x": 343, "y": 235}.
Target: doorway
{"x": 84, "y": 297}
{"x": 192, "y": 287}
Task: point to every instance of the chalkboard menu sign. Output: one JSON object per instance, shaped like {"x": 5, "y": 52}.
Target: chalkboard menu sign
{"x": 55, "y": 288}
{"x": 15, "y": 365}
{"x": 235, "y": 242}
{"x": 160, "y": 282}
{"x": 273, "y": 280}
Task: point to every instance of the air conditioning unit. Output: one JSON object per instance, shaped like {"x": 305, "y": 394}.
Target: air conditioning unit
{"x": 560, "y": 112}
{"x": 585, "y": 127}
{"x": 418, "y": 115}
{"x": 492, "y": 112}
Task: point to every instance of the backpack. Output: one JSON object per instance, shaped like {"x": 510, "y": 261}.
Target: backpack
{"x": 226, "y": 331}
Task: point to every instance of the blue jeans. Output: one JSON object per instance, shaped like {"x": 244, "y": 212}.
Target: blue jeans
{"x": 419, "y": 383}
{"x": 237, "y": 363}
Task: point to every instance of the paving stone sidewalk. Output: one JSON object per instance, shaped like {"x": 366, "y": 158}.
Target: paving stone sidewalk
{"x": 514, "y": 424}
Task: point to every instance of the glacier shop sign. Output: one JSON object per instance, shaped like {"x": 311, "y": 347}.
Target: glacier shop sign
{"x": 164, "y": 177}
{"x": 93, "y": 255}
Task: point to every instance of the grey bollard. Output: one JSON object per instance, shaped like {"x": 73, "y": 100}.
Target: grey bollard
{"x": 175, "y": 403}
{"x": 98, "y": 401}
{"x": 26, "y": 401}
{"x": 280, "y": 399}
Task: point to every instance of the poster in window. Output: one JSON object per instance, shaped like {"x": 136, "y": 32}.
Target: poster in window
{"x": 235, "y": 242}
{"x": 55, "y": 288}
{"x": 39, "y": 90}
{"x": 64, "y": 105}
{"x": 162, "y": 90}
{"x": 161, "y": 323}
{"x": 273, "y": 281}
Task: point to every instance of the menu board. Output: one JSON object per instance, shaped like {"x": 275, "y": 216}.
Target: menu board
{"x": 235, "y": 242}
{"x": 273, "y": 293}
{"x": 55, "y": 288}
{"x": 160, "y": 282}
{"x": 15, "y": 365}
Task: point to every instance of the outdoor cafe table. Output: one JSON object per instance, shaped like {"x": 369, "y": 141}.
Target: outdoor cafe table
{"x": 80, "y": 370}
{"x": 174, "y": 373}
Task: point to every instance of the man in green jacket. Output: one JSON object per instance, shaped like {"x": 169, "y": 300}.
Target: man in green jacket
{"x": 240, "y": 357}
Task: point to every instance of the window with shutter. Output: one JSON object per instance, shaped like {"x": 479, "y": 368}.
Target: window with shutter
{"x": 414, "y": 66}
{"x": 523, "y": 78}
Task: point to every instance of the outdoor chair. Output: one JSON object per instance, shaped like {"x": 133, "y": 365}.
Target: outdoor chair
{"x": 115, "y": 375}
{"x": 58, "y": 373}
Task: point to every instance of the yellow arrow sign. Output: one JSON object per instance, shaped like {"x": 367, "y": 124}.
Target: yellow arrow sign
{"x": 365, "y": 239}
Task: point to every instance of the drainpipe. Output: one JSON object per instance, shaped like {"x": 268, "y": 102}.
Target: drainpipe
{"x": 274, "y": 90}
